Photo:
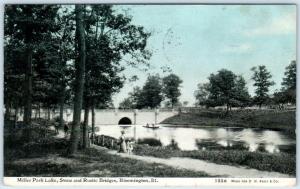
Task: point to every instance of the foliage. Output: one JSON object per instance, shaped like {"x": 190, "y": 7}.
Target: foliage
{"x": 282, "y": 162}
{"x": 201, "y": 94}
{"x": 32, "y": 25}
{"x": 151, "y": 94}
{"x": 150, "y": 141}
{"x": 262, "y": 82}
{"x": 110, "y": 38}
{"x": 289, "y": 84}
{"x": 223, "y": 88}
{"x": 171, "y": 85}
{"x": 131, "y": 102}
{"x": 289, "y": 81}
{"x": 241, "y": 96}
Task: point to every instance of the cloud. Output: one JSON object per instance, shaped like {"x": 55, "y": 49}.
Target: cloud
{"x": 286, "y": 24}
{"x": 239, "y": 48}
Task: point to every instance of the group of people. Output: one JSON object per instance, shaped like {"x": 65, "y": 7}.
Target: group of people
{"x": 126, "y": 146}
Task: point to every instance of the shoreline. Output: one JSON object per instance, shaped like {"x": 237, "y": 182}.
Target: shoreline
{"x": 279, "y": 121}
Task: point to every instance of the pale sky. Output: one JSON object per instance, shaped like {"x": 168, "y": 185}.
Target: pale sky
{"x": 197, "y": 40}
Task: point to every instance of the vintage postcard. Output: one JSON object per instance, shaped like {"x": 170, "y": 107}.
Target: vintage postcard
{"x": 150, "y": 95}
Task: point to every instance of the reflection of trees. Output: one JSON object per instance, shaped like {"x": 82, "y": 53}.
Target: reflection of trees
{"x": 215, "y": 144}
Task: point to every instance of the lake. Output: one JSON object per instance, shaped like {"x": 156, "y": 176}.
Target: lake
{"x": 208, "y": 138}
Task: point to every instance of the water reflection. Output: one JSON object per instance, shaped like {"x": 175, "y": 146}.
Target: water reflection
{"x": 209, "y": 138}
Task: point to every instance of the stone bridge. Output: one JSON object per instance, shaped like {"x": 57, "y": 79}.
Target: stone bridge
{"x": 115, "y": 116}
{"x": 126, "y": 117}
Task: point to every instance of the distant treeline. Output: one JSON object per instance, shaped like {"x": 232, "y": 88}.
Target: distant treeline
{"x": 228, "y": 89}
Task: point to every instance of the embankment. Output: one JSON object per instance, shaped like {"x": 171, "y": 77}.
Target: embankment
{"x": 267, "y": 119}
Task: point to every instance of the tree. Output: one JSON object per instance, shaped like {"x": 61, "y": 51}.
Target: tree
{"x": 14, "y": 75}
{"x": 31, "y": 24}
{"x": 202, "y": 94}
{"x": 279, "y": 98}
{"x": 110, "y": 37}
{"x": 171, "y": 84}
{"x": 242, "y": 96}
{"x": 222, "y": 89}
{"x": 151, "y": 94}
{"x": 133, "y": 101}
{"x": 289, "y": 82}
{"x": 262, "y": 82}
{"x": 185, "y": 103}
{"x": 79, "y": 80}
{"x": 126, "y": 104}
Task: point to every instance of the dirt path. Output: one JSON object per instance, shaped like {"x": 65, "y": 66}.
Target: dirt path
{"x": 204, "y": 166}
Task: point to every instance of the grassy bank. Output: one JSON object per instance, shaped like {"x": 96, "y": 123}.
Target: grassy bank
{"x": 46, "y": 157}
{"x": 279, "y": 120}
{"x": 280, "y": 162}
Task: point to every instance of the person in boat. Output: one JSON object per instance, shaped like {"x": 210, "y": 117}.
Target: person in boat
{"x": 147, "y": 125}
{"x": 122, "y": 143}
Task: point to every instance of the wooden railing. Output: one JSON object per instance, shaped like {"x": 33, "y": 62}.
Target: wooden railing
{"x": 106, "y": 141}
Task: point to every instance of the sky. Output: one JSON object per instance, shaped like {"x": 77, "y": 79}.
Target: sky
{"x": 197, "y": 40}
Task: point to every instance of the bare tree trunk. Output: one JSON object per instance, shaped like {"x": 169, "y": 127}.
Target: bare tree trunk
{"x": 36, "y": 113}
{"x": 61, "y": 107}
{"x": 48, "y": 110}
{"x": 85, "y": 131}
{"x": 7, "y": 111}
{"x": 39, "y": 108}
{"x": 16, "y": 116}
{"x": 93, "y": 122}
{"x": 28, "y": 88}
{"x": 79, "y": 80}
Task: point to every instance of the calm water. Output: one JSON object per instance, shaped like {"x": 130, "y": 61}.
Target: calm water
{"x": 205, "y": 138}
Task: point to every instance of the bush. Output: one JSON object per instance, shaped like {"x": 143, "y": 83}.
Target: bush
{"x": 150, "y": 142}
{"x": 280, "y": 162}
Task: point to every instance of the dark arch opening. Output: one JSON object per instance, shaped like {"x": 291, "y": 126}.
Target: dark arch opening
{"x": 125, "y": 121}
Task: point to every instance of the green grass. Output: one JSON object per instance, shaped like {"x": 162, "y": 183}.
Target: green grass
{"x": 280, "y": 162}
{"x": 268, "y": 119}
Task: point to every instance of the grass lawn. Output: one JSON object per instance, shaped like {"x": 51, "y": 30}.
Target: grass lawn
{"x": 267, "y": 119}
{"x": 280, "y": 162}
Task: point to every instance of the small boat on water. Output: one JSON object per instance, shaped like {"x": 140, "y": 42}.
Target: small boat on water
{"x": 152, "y": 126}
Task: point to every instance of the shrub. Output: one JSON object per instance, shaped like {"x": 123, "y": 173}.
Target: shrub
{"x": 150, "y": 141}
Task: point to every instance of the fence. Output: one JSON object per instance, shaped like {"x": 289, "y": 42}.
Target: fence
{"x": 106, "y": 141}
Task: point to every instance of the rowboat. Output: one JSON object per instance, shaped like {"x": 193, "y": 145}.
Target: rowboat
{"x": 152, "y": 126}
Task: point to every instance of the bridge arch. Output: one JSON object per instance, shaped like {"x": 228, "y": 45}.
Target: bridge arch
{"x": 125, "y": 121}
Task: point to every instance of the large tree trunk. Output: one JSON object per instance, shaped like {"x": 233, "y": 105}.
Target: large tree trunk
{"x": 16, "y": 116}
{"x": 85, "y": 131}
{"x": 93, "y": 122}
{"x": 79, "y": 80}
{"x": 48, "y": 110}
{"x": 28, "y": 88}
{"x": 61, "y": 107}
{"x": 7, "y": 111}
{"x": 39, "y": 108}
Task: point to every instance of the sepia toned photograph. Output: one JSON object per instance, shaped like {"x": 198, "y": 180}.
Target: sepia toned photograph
{"x": 152, "y": 94}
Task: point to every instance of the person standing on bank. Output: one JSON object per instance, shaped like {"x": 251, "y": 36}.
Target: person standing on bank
{"x": 122, "y": 143}
{"x": 66, "y": 129}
